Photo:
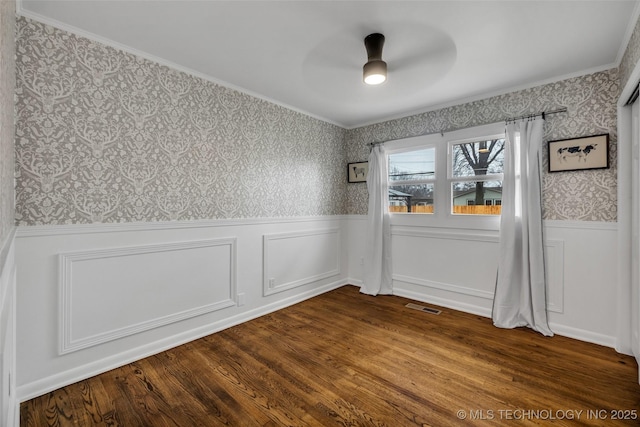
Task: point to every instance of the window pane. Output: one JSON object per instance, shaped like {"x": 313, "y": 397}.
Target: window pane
{"x": 477, "y": 158}
{"x": 412, "y": 165}
{"x": 477, "y": 197}
{"x": 413, "y": 198}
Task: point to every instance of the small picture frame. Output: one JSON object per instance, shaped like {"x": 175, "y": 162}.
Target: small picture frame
{"x": 584, "y": 153}
{"x": 357, "y": 172}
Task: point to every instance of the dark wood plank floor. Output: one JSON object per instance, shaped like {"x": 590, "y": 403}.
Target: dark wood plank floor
{"x": 347, "y": 359}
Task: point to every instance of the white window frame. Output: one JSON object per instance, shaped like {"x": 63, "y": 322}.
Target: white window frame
{"x": 443, "y": 199}
{"x": 473, "y": 178}
{"x": 431, "y": 180}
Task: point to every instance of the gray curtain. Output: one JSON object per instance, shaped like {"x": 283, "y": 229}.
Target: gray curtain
{"x": 377, "y": 259}
{"x": 520, "y": 297}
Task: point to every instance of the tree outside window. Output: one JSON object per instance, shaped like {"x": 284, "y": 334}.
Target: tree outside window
{"x": 476, "y": 173}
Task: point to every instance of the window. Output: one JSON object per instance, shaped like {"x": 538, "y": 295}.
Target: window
{"x": 475, "y": 175}
{"x": 455, "y": 175}
{"x": 412, "y": 177}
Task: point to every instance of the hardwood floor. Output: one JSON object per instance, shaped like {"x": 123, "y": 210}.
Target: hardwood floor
{"x": 348, "y": 359}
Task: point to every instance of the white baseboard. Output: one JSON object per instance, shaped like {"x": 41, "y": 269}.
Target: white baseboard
{"x": 443, "y": 302}
{"x": 355, "y": 282}
{"x": 582, "y": 335}
{"x": 558, "y": 329}
{"x": 61, "y": 379}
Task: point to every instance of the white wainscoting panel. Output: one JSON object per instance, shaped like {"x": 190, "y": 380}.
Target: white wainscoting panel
{"x": 112, "y": 293}
{"x": 446, "y": 264}
{"x": 587, "y": 308}
{"x": 94, "y": 297}
{"x": 465, "y": 264}
{"x": 299, "y": 258}
{"x": 554, "y": 260}
{"x": 456, "y": 268}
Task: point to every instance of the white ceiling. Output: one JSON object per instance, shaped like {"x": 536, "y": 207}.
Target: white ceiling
{"x": 308, "y": 55}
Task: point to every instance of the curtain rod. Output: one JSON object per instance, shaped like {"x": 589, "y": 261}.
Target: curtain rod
{"x": 511, "y": 119}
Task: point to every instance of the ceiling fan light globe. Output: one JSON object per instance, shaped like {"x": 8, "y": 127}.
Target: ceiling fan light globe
{"x": 374, "y": 72}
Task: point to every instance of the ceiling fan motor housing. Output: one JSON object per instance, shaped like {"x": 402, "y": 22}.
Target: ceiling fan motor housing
{"x": 375, "y": 70}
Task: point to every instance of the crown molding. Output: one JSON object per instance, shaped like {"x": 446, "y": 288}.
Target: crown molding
{"x": 20, "y": 11}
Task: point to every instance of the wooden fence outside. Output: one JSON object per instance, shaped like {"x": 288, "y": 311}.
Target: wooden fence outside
{"x": 464, "y": 210}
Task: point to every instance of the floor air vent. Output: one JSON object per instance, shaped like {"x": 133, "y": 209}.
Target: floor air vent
{"x": 423, "y": 308}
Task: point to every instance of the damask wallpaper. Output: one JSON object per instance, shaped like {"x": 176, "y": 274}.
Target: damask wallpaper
{"x": 631, "y": 56}
{"x": 591, "y": 104}
{"x": 105, "y": 136}
{"x": 7, "y": 86}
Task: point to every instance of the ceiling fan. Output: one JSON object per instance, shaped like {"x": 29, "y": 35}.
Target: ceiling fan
{"x": 374, "y": 71}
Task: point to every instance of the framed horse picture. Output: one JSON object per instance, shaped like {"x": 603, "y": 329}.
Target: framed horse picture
{"x": 357, "y": 172}
{"x": 587, "y": 152}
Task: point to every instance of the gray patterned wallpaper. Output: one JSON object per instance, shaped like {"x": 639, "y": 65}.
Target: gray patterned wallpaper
{"x": 591, "y": 103}
{"x": 7, "y": 86}
{"x": 631, "y": 56}
{"x": 105, "y": 136}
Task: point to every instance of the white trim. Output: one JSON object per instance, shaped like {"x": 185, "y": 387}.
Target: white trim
{"x": 566, "y": 331}
{"x": 408, "y": 113}
{"x": 623, "y": 324}
{"x": 442, "y": 181}
{"x": 485, "y": 95}
{"x": 53, "y": 382}
{"x": 354, "y": 282}
{"x": 582, "y": 335}
{"x": 128, "y": 49}
{"x": 270, "y": 290}
{"x": 25, "y": 231}
{"x": 624, "y": 328}
{"x": 444, "y": 287}
{"x": 8, "y": 276}
{"x": 628, "y": 89}
{"x": 7, "y": 267}
{"x": 443, "y": 302}
{"x": 559, "y": 224}
{"x": 558, "y": 273}
{"x": 635, "y": 15}
{"x": 581, "y": 225}
{"x": 65, "y": 321}
{"x": 411, "y": 232}
{"x": 556, "y": 260}
{"x": 6, "y": 245}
